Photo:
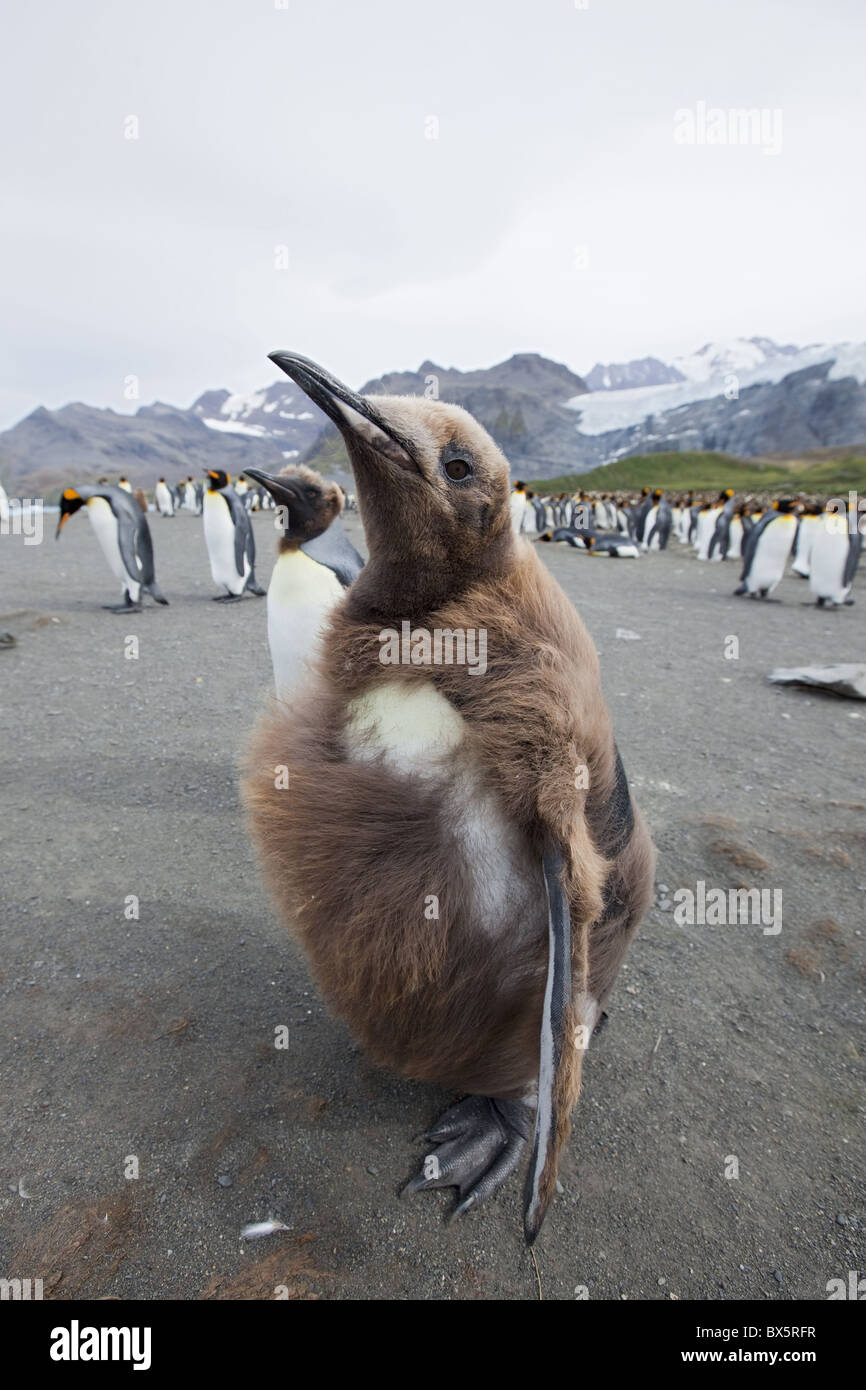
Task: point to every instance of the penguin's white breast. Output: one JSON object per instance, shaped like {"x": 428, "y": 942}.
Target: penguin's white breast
{"x": 771, "y": 554}
{"x": 105, "y": 524}
{"x": 219, "y": 534}
{"x": 301, "y": 594}
{"x": 706, "y": 527}
{"x": 828, "y": 558}
{"x": 418, "y": 734}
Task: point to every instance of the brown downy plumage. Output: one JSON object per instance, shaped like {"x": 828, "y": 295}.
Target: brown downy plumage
{"x": 360, "y": 842}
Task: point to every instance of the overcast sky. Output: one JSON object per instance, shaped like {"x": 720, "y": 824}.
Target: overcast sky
{"x": 555, "y": 212}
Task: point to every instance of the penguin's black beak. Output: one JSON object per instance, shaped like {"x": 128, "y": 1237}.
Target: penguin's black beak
{"x": 356, "y": 417}
{"x": 279, "y": 488}
{"x": 285, "y": 491}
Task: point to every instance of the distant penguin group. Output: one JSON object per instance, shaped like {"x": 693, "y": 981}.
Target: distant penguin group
{"x": 822, "y": 541}
{"x": 119, "y": 518}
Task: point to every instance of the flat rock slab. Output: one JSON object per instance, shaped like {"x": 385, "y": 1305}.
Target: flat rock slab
{"x": 847, "y": 680}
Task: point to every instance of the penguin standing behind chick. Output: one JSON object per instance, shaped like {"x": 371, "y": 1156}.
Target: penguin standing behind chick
{"x": 315, "y": 565}
{"x": 124, "y": 536}
{"x": 459, "y": 854}
{"x": 229, "y": 538}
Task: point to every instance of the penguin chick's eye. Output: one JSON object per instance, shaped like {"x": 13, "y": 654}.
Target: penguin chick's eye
{"x": 457, "y": 470}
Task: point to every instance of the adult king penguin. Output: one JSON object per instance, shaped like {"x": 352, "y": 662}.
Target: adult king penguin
{"x": 163, "y": 498}
{"x": 458, "y": 854}
{"x": 766, "y": 550}
{"x": 229, "y": 538}
{"x": 834, "y": 557}
{"x": 124, "y": 535}
{"x": 315, "y": 565}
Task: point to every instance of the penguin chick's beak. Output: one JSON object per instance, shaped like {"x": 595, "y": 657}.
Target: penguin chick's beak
{"x": 283, "y": 490}
{"x": 355, "y": 416}
{"x": 300, "y": 515}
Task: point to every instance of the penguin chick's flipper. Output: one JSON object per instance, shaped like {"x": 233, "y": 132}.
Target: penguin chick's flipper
{"x": 557, "y": 1056}
{"x": 479, "y": 1142}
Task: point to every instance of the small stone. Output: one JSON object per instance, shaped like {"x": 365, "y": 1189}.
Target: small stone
{"x": 841, "y": 1219}
{"x": 662, "y": 1280}
{"x": 224, "y": 1180}
{"x": 778, "y": 1276}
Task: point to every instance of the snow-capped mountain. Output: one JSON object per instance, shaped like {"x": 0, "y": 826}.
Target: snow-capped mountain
{"x": 731, "y": 356}
{"x": 717, "y": 370}
{"x": 716, "y": 359}
{"x": 622, "y": 376}
{"x": 280, "y": 412}
{"x": 789, "y": 401}
{"x": 746, "y": 397}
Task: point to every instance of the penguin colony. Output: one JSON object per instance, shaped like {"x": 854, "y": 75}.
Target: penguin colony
{"x": 408, "y": 784}
{"x": 821, "y": 542}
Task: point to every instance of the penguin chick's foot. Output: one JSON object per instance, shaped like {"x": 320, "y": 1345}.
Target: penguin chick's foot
{"x": 227, "y": 598}
{"x": 479, "y": 1143}
{"x": 257, "y": 590}
{"x": 123, "y": 607}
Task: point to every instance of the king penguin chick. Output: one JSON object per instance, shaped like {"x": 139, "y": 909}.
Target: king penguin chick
{"x": 459, "y": 854}
{"x": 124, "y": 535}
{"x": 228, "y": 534}
{"x": 315, "y": 565}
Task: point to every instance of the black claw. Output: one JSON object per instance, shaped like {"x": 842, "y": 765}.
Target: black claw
{"x": 479, "y": 1144}
{"x": 602, "y": 1020}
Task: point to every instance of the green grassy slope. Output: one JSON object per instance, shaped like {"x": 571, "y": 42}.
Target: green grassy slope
{"x": 705, "y": 471}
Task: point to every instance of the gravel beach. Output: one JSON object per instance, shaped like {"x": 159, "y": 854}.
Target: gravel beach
{"x": 147, "y": 1115}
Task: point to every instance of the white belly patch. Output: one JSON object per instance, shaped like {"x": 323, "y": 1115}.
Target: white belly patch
{"x": 106, "y": 525}
{"x": 219, "y": 533}
{"x": 301, "y": 595}
{"x": 416, "y": 732}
